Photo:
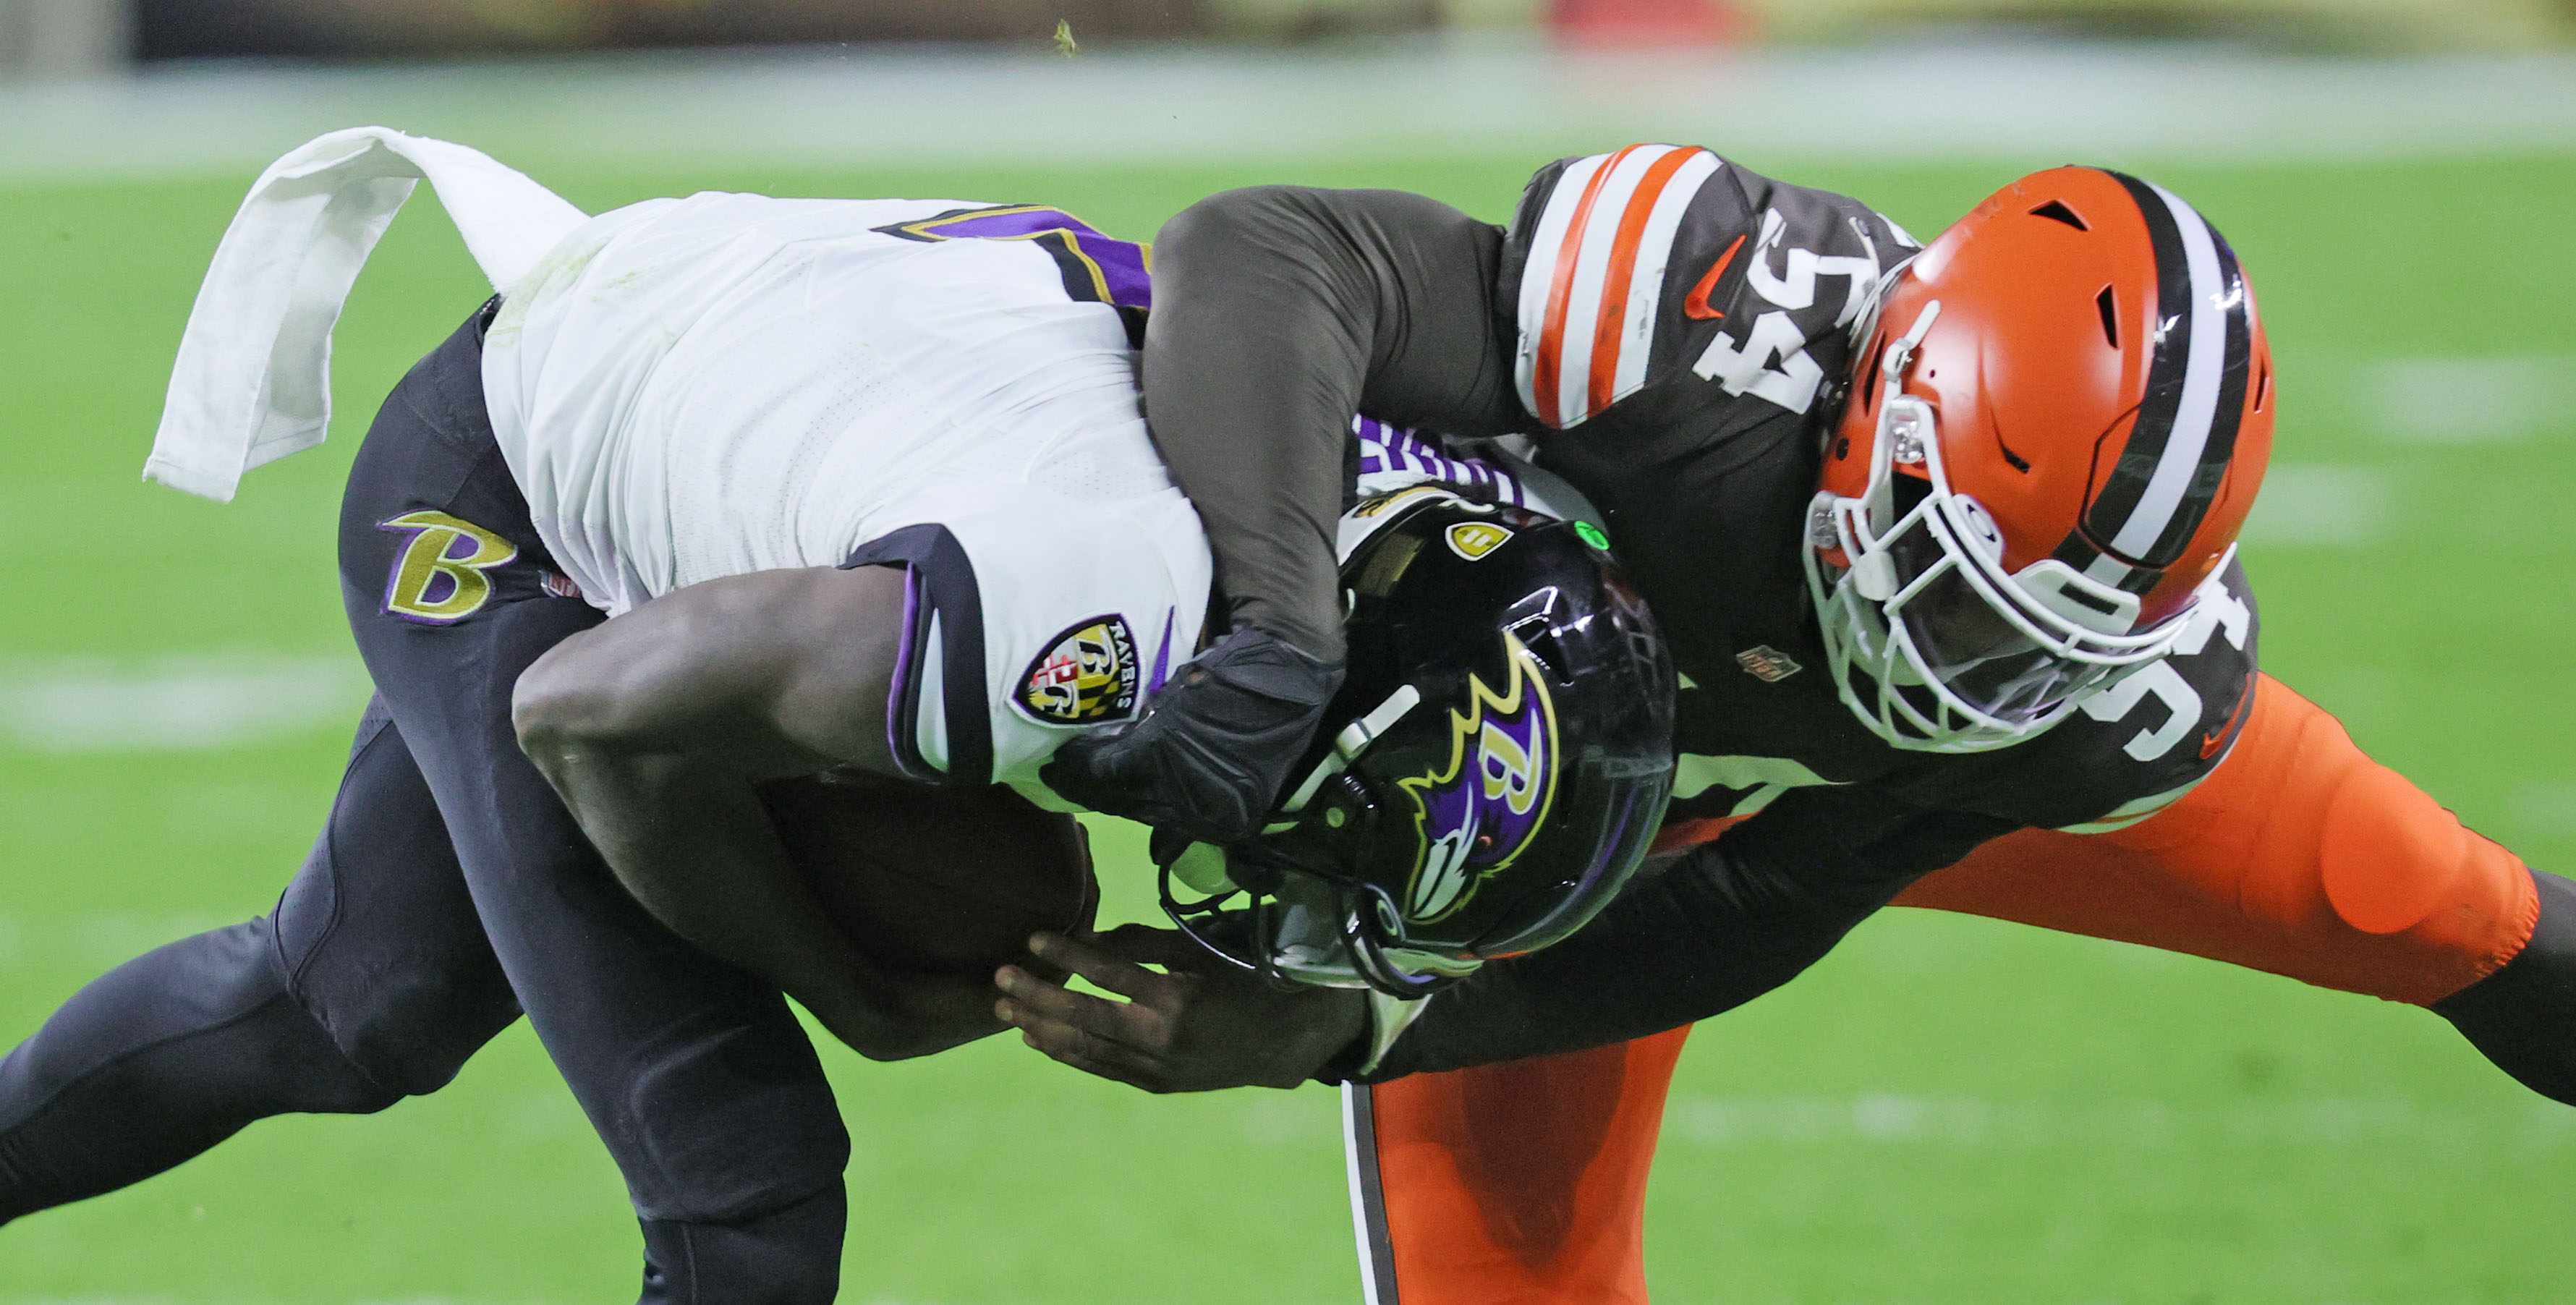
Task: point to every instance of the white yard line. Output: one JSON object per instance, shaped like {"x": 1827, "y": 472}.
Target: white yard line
{"x": 175, "y": 704}
{"x": 879, "y": 106}
{"x": 1976, "y": 1122}
{"x": 2331, "y": 506}
{"x": 2468, "y": 400}
{"x": 2546, "y": 807}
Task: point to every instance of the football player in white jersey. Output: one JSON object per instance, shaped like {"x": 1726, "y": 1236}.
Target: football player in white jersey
{"x": 730, "y": 489}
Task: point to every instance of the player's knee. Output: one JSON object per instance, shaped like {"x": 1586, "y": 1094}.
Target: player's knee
{"x": 2389, "y": 855}
{"x": 2325, "y": 821}
{"x": 409, "y": 1020}
{"x": 790, "y": 1256}
{"x": 720, "y": 1128}
{"x": 420, "y": 1029}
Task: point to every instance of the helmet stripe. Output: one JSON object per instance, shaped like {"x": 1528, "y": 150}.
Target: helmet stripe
{"x": 2219, "y": 449}
{"x": 2177, "y": 451}
{"x": 2117, "y": 498}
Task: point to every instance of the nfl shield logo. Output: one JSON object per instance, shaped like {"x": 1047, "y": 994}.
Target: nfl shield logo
{"x": 1767, "y": 664}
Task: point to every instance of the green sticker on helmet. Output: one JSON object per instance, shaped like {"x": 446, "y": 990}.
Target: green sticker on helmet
{"x": 1591, "y": 534}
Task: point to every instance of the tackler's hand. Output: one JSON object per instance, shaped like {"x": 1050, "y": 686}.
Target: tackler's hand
{"x": 1213, "y": 749}
{"x": 1197, "y": 1026}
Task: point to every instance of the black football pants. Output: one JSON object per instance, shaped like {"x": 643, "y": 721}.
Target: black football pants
{"x": 449, "y": 891}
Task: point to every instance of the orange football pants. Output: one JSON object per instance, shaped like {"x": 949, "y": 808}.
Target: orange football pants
{"x": 1524, "y": 1183}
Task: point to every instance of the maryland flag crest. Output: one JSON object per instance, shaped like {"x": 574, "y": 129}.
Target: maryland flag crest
{"x": 1086, "y": 676}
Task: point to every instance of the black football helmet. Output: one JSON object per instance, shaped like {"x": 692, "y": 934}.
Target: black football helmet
{"x": 1490, "y": 774}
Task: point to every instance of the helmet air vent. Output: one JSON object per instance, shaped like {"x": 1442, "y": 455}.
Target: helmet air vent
{"x": 2109, "y": 304}
{"x": 2056, "y": 210}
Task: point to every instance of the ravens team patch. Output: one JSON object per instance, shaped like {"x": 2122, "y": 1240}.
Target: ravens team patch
{"x": 1086, "y": 676}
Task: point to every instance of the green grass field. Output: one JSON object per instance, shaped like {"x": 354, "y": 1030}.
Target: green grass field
{"x": 1947, "y": 1110}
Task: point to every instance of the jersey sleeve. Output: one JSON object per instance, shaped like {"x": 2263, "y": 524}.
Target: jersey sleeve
{"x": 1728, "y": 921}
{"x": 2133, "y": 749}
{"x": 1391, "y": 458}
{"x": 1030, "y": 617}
{"x": 1278, "y": 312}
{"x": 1666, "y": 272}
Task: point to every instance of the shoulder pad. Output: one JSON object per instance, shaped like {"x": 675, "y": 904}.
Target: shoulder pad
{"x": 1628, "y": 271}
{"x": 1596, "y": 237}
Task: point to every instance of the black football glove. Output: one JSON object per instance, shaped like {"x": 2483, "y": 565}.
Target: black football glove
{"x": 1213, "y": 749}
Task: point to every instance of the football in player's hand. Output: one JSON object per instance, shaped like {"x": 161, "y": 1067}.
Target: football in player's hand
{"x": 936, "y": 880}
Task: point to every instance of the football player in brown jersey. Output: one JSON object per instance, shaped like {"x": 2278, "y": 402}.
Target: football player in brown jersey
{"x": 1943, "y": 539}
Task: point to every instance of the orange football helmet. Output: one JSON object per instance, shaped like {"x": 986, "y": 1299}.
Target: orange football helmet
{"x": 2059, "y": 414}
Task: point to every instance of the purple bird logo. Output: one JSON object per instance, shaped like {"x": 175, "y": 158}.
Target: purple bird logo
{"x": 1477, "y": 813}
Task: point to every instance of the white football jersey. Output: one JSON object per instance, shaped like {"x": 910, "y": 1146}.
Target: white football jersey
{"x": 688, "y": 389}
{"x": 695, "y": 388}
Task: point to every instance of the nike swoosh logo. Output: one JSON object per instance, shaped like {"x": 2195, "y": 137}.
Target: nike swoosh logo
{"x": 1695, "y": 304}
{"x": 2210, "y": 742}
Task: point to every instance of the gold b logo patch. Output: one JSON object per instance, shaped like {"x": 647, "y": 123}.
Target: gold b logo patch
{"x": 439, "y": 577}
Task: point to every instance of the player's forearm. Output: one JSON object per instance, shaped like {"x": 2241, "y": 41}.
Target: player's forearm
{"x": 1278, "y": 313}
{"x": 692, "y": 843}
{"x": 697, "y": 851}
{"x": 654, "y": 729}
{"x": 1688, "y": 944}
{"x": 1729, "y": 921}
